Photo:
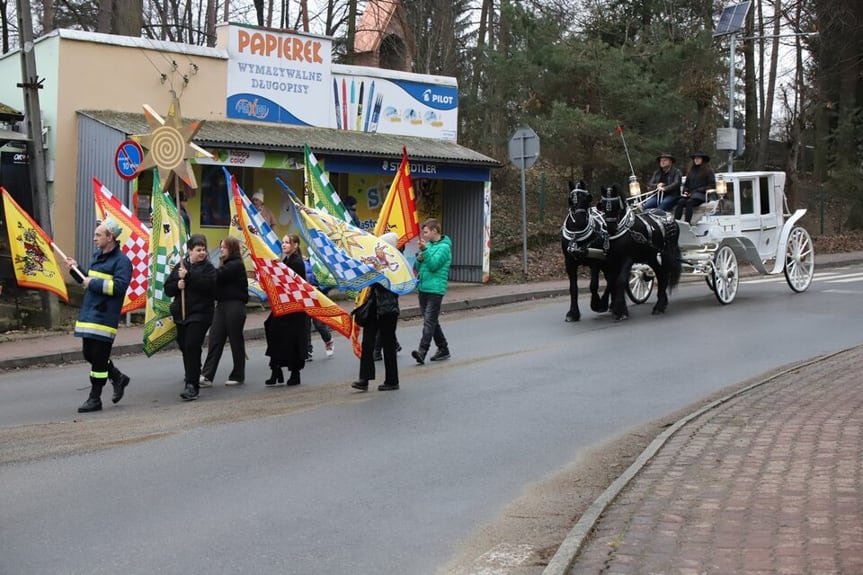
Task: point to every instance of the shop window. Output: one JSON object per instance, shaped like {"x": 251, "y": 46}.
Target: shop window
{"x": 215, "y": 209}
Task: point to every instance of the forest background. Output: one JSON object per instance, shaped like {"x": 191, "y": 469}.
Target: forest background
{"x": 575, "y": 70}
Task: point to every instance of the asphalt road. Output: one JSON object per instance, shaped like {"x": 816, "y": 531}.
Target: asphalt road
{"x": 321, "y": 479}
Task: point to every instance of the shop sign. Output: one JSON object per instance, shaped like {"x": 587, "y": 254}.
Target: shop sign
{"x": 278, "y": 77}
{"x": 430, "y": 170}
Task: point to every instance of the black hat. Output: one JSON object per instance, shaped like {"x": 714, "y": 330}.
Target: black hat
{"x": 665, "y": 155}
{"x": 699, "y": 154}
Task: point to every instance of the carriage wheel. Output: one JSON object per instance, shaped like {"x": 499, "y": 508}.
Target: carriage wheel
{"x": 708, "y": 279}
{"x": 640, "y": 286}
{"x": 799, "y": 260}
{"x": 725, "y": 275}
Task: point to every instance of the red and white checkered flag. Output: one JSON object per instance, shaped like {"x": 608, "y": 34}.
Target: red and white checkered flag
{"x": 287, "y": 292}
{"x": 134, "y": 240}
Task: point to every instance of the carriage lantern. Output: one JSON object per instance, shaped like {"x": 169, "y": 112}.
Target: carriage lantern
{"x": 721, "y": 188}
{"x": 634, "y": 187}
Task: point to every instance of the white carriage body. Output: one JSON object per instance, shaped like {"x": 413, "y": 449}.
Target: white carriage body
{"x": 750, "y": 223}
{"x": 751, "y": 218}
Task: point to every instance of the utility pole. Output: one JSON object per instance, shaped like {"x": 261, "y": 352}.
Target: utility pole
{"x": 31, "y": 84}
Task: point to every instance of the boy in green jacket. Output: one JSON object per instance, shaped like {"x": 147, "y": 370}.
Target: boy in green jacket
{"x": 432, "y": 267}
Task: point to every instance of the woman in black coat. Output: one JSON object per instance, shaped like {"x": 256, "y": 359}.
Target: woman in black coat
{"x": 196, "y": 278}
{"x": 699, "y": 179}
{"x": 232, "y": 294}
{"x": 382, "y": 322}
{"x": 287, "y": 337}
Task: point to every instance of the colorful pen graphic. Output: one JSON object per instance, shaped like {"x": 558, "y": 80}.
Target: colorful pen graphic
{"x": 373, "y": 126}
{"x": 338, "y": 108}
{"x": 345, "y": 104}
{"x": 371, "y": 105}
{"x": 360, "y": 107}
{"x": 353, "y": 96}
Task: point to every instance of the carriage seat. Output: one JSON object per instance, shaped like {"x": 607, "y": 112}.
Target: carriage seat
{"x": 704, "y": 209}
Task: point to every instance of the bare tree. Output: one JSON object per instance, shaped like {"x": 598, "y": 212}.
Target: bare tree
{"x": 767, "y": 110}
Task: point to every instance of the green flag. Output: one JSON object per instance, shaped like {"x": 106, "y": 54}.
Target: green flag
{"x": 165, "y": 245}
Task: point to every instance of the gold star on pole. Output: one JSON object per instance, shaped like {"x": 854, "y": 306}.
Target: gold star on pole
{"x": 169, "y": 146}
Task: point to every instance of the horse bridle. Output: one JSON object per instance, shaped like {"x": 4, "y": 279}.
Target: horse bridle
{"x": 623, "y": 223}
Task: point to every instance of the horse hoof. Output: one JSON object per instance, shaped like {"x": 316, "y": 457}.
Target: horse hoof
{"x": 621, "y": 317}
{"x": 658, "y": 312}
{"x": 570, "y": 318}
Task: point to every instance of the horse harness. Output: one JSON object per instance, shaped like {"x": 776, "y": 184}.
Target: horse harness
{"x": 580, "y": 239}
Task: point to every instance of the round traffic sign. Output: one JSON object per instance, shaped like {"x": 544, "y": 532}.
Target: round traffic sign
{"x": 524, "y": 148}
{"x": 128, "y": 157}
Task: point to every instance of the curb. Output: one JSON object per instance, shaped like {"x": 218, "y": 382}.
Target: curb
{"x": 562, "y": 560}
{"x": 255, "y": 333}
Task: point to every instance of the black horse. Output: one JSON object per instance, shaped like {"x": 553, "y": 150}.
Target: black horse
{"x": 648, "y": 238}
{"x": 584, "y": 242}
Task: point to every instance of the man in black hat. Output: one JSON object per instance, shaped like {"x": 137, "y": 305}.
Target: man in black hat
{"x": 699, "y": 179}
{"x": 666, "y": 182}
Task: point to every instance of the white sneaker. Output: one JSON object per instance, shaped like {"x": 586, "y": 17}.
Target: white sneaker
{"x": 233, "y": 382}
{"x": 204, "y": 382}
{"x": 331, "y": 348}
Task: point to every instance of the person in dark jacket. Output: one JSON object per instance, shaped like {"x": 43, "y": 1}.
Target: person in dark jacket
{"x": 382, "y": 322}
{"x": 232, "y": 294}
{"x": 196, "y": 278}
{"x": 287, "y": 335}
{"x": 699, "y": 179}
{"x": 666, "y": 182}
{"x": 105, "y": 286}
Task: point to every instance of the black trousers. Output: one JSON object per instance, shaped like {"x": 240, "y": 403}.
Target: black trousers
{"x": 386, "y": 327}
{"x": 190, "y": 338}
{"x": 228, "y": 324}
{"x": 97, "y": 353}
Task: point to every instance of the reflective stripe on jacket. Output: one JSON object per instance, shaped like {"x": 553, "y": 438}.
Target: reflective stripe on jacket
{"x": 109, "y": 275}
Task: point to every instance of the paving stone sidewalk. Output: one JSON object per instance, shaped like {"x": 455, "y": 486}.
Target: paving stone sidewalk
{"x": 768, "y": 482}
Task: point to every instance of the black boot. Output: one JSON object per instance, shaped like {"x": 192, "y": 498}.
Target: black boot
{"x": 119, "y": 380}
{"x": 294, "y": 379}
{"x": 191, "y": 392}
{"x": 94, "y": 402}
{"x": 276, "y": 377}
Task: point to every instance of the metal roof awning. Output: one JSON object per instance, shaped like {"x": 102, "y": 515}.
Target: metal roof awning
{"x": 7, "y": 136}
{"x": 287, "y": 138}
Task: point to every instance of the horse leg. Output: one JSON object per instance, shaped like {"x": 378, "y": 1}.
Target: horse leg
{"x": 572, "y": 271}
{"x": 620, "y": 279}
{"x": 662, "y": 273}
{"x": 597, "y": 303}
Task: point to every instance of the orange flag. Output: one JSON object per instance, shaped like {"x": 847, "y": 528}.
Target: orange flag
{"x": 32, "y": 253}
{"x": 398, "y": 215}
{"x": 134, "y": 241}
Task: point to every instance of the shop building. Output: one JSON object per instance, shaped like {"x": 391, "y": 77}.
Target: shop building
{"x": 263, "y": 94}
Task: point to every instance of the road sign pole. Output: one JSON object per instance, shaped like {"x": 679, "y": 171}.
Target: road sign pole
{"x": 523, "y": 217}
{"x": 523, "y": 152}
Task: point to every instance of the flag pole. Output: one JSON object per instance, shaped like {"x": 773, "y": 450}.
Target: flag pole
{"x": 180, "y": 228}
{"x": 75, "y": 269}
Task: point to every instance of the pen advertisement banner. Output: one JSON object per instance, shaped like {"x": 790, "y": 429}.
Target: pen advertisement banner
{"x": 279, "y": 77}
{"x": 394, "y": 106}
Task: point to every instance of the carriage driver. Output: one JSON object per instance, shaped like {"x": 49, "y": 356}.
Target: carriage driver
{"x": 666, "y": 182}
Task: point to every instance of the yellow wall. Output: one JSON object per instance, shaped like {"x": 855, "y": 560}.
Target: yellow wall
{"x": 97, "y": 76}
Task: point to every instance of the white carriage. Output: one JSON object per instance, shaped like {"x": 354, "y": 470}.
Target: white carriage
{"x": 746, "y": 219}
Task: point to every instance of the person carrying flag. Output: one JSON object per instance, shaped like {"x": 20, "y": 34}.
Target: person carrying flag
{"x": 196, "y": 278}
{"x": 105, "y": 286}
{"x": 287, "y": 335}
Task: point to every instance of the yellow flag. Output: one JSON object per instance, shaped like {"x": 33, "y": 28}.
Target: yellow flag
{"x": 32, "y": 255}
